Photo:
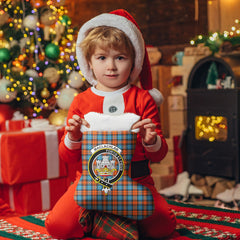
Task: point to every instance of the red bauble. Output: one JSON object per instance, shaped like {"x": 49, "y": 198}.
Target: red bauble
{"x": 38, "y": 3}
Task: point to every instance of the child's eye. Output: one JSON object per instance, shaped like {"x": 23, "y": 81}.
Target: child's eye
{"x": 101, "y": 58}
{"x": 120, "y": 57}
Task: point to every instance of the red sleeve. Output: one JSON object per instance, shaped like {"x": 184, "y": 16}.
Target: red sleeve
{"x": 83, "y": 103}
{"x": 151, "y": 111}
{"x": 66, "y": 154}
{"x": 147, "y": 108}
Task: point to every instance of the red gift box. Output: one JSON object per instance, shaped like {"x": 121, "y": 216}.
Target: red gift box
{"x": 33, "y": 197}
{"x": 30, "y": 156}
{"x": 15, "y": 125}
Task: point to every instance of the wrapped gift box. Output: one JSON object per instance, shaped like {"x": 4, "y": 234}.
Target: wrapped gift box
{"x": 15, "y": 125}
{"x": 30, "y": 156}
{"x": 33, "y": 197}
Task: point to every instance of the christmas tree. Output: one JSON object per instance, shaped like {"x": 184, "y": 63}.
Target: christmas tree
{"x": 38, "y": 66}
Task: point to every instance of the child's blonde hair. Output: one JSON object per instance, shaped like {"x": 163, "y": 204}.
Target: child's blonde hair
{"x": 106, "y": 37}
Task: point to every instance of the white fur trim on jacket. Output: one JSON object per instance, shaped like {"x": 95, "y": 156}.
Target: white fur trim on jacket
{"x": 72, "y": 144}
{"x": 122, "y": 23}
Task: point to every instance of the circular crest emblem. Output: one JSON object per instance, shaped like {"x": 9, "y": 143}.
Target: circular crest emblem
{"x": 106, "y": 165}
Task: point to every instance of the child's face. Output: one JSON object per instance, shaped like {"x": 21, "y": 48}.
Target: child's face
{"x": 111, "y": 68}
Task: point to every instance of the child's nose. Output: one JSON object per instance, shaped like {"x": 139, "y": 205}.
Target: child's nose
{"x": 111, "y": 64}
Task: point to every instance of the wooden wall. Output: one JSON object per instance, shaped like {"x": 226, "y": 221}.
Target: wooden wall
{"x": 162, "y": 22}
{"x": 222, "y": 15}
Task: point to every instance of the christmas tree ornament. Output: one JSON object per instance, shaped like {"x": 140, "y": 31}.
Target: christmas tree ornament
{"x": 65, "y": 20}
{"x": 75, "y": 79}
{"x": 31, "y": 73}
{"x": 65, "y": 98}
{"x": 5, "y": 95}
{"x": 30, "y": 21}
{"x": 21, "y": 57}
{"x": 13, "y": 43}
{"x": 53, "y": 85}
{"x": 41, "y": 56}
{"x": 38, "y": 3}
{"x": 17, "y": 66}
{"x": 51, "y": 74}
{"x": 24, "y": 42}
{"x": 59, "y": 30}
{"x": 58, "y": 117}
{"x": 52, "y": 51}
{"x": 4, "y": 43}
{"x": 4, "y": 16}
{"x": 32, "y": 48}
{"x": 52, "y": 101}
{"x": 47, "y": 16}
{"x": 46, "y": 32}
{"x": 15, "y": 69}
{"x": 45, "y": 93}
{"x": 4, "y": 55}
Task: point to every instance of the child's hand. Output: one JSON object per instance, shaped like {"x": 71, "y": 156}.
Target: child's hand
{"x": 147, "y": 131}
{"x": 74, "y": 127}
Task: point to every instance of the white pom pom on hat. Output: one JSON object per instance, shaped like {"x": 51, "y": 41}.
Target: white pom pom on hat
{"x": 122, "y": 20}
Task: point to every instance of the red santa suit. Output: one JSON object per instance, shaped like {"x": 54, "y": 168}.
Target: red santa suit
{"x": 63, "y": 220}
{"x": 129, "y": 99}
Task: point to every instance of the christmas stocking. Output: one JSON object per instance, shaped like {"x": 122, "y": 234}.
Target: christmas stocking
{"x": 105, "y": 184}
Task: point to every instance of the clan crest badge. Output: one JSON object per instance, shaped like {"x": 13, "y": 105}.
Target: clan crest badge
{"x": 106, "y": 165}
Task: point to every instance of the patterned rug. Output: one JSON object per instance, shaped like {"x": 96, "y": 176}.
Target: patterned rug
{"x": 200, "y": 222}
{"x": 193, "y": 222}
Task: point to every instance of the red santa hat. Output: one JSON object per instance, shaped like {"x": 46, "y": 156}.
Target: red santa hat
{"x": 122, "y": 20}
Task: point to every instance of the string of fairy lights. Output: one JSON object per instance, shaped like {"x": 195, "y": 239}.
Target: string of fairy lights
{"x": 215, "y": 40}
{"x": 47, "y": 53}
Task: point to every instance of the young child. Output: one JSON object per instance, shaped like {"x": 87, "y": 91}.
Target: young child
{"x": 112, "y": 55}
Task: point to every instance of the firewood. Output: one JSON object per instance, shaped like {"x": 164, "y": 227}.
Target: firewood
{"x": 219, "y": 187}
{"x": 211, "y": 180}
{"x": 207, "y": 191}
{"x": 198, "y": 180}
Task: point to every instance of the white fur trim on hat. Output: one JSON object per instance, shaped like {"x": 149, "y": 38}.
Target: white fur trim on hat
{"x": 156, "y": 95}
{"x": 122, "y": 23}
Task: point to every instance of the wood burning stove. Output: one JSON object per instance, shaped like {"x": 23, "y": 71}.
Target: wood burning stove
{"x": 213, "y": 117}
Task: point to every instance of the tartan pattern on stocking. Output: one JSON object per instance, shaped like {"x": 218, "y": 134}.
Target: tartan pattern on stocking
{"x": 105, "y": 184}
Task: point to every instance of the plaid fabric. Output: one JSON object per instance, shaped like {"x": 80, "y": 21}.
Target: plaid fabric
{"x": 105, "y": 184}
{"x": 86, "y": 219}
{"x": 110, "y": 227}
